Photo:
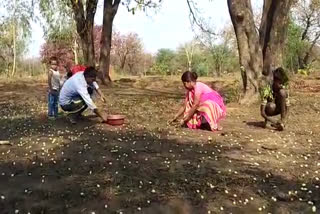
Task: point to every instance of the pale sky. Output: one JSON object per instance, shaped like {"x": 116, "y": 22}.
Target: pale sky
{"x": 168, "y": 28}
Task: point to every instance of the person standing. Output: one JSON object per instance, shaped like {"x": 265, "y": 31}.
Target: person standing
{"x": 53, "y": 88}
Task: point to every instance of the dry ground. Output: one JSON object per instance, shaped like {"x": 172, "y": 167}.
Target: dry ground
{"x": 149, "y": 167}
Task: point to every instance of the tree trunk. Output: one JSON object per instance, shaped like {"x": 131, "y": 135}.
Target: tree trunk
{"x": 14, "y": 40}
{"x": 130, "y": 68}
{"x": 304, "y": 61}
{"x": 273, "y": 33}
{"x": 250, "y": 54}
{"x": 87, "y": 47}
{"x": 90, "y": 45}
{"x": 123, "y": 61}
{"x": 263, "y": 52}
{"x": 14, "y": 50}
{"x": 189, "y": 54}
{"x": 85, "y": 23}
{"x": 110, "y": 9}
{"x": 75, "y": 52}
{"x": 106, "y": 38}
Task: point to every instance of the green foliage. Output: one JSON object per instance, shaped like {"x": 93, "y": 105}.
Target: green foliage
{"x": 159, "y": 68}
{"x": 137, "y": 5}
{"x": 20, "y": 13}
{"x": 218, "y": 59}
{"x": 165, "y": 56}
{"x": 164, "y": 62}
{"x": 57, "y": 16}
{"x": 205, "y": 60}
{"x": 303, "y": 72}
{"x": 294, "y": 47}
{"x": 266, "y": 92}
{"x": 200, "y": 63}
{"x": 6, "y": 46}
{"x": 202, "y": 69}
{"x": 66, "y": 34}
{"x": 15, "y": 28}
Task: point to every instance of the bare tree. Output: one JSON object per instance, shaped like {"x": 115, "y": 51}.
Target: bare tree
{"x": 127, "y": 50}
{"x": 110, "y": 9}
{"x": 306, "y": 14}
{"x": 120, "y": 48}
{"x": 189, "y": 50}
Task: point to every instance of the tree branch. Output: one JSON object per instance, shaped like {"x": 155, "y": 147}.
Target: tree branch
{"x": 144, "y": 4}
{"x": 115, "y": 7}
{"x": 91, "y": 9}
{"x": 196, "y": 20}
{"x": 305, "y": 32}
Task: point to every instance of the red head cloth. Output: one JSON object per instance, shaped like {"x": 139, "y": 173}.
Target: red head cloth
{"x": 77, "y": 68}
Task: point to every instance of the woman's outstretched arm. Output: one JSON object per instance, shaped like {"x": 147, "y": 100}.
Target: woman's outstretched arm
{"x": 193, "y": 109}
{"x": 180, "y": 112}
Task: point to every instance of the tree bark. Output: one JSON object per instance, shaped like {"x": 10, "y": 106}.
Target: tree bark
{"x": 85, "y": 23}
{"x": 14, "y": 64}
{"x": 14, "y": 40}
{"x": 123, "y": 59}
{"x": 110, "y": 9}
{"x": 273, "y": 33}
{"x": 259, "y": 52}
{"x": 305, "y": 60}
{"x": 250, "y": 54}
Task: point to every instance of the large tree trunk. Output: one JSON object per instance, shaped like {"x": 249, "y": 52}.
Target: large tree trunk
{"x": 110, "y": 9}
{"x": 85, "y": 23}
{"x": 250, "y": 54}
{"x": 273, "y": 33}
{"x": 263, "y": 52}
{"x": 87, "y": 44}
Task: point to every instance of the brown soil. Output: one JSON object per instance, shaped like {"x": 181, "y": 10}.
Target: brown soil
{"x": 147, "y": 166}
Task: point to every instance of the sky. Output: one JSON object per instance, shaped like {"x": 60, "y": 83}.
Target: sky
{"x": 169, "y": 27}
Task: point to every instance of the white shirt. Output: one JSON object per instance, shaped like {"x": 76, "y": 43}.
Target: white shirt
{"x": 74, "y": 87}
{"x": 55, "y": 80}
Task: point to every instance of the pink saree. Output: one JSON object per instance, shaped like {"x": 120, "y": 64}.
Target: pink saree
{"x": 211, "y": 108}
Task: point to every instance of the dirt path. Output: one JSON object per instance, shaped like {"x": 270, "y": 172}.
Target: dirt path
{"x": 148, "y": 167}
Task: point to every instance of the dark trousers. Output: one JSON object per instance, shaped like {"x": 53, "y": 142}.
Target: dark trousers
{"x": 53, "y": 97}
{"x": 76, "y": 107}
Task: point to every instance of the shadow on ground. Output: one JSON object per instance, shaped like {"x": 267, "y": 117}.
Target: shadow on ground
{"x": 57, "y": 168}
{"x": 146, "y": 167}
